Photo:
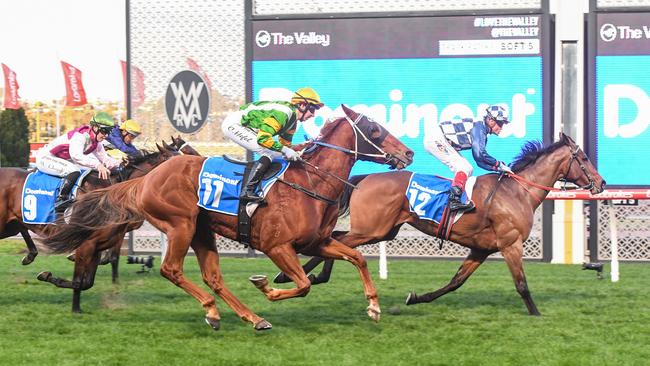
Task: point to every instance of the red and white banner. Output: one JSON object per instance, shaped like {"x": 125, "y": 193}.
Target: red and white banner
{"x": 194, "y": 66}
{"x": 75, "y": 95}
{"x": 137, "y": 80}
{"x": 11, "y": 99}
{"x": 609, "y": 194}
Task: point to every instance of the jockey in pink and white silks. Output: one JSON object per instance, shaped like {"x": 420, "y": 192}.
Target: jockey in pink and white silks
{"x": 79, "y": 148}
{"x": 453, "y": 136}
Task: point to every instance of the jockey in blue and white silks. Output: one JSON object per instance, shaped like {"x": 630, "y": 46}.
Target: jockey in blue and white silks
{"x": 453, "y": 136}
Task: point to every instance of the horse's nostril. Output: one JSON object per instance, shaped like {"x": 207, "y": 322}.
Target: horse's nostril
{"x": 409, "y": 154}
{"x": 602, "y": 185}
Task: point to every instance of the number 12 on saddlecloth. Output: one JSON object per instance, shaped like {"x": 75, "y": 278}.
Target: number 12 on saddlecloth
{"x": 218, "y": 188}
{"x": 423, "y": 197}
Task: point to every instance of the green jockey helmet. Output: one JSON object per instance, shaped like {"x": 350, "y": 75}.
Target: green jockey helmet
{"x": 102, "y": 119}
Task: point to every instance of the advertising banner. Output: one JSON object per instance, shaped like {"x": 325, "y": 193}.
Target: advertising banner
{"x": 410, "y": 74}
{"x": 620, "y": 105}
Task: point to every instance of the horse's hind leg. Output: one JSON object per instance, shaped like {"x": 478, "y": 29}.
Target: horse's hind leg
{"x": 208, "y": 258}
{"x": 33, "y": 252}
{"x": 512, "y": 255}
{"x": 337, "y": 250}
{"x": 470, "y": 264}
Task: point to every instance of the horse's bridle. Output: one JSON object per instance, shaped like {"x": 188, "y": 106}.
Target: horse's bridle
{"x": 574, "y": 157}
{"x": 388, "y": 158}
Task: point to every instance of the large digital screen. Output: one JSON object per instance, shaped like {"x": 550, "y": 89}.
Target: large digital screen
{"x": 621, "y": 137}
{"x": 409, "y": 74}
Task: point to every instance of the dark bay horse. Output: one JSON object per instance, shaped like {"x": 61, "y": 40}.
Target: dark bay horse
{"x": 86, "y": 257}
{"x": 11, "y": 187}
{"x": 291, "y": 221}
{"x": 379, "y": 207}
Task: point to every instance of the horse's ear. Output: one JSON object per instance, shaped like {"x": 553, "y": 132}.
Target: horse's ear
{"x": 160, "y": 149}
{"x": 349, "y": 112}
{"x": 167, "y": 147}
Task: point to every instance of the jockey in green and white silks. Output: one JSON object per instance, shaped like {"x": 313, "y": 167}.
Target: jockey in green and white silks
{"x": 453, "y": 136}
{"x": 255, "y": 125}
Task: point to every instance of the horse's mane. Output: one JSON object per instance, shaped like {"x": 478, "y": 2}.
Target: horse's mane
{"x": 134, "y": 159}
{"x": 530, "y": 152}
{"x": 325, "y": 131}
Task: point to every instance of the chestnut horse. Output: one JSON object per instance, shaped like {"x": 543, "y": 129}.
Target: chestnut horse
{"x": 379, "y": 207}
{"x": 13, "y": 179}
{"x": 298, "y": 216}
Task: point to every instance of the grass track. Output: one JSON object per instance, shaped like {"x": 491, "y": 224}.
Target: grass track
{"x": 145, "y": 320}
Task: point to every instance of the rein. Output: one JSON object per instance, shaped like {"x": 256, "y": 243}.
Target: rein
{"x": 523, "y": 181}
{"x": 308, "y": 192}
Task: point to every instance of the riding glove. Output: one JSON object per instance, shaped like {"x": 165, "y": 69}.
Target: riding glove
{"x": 504, "y": 168}
{"x": 290, "y": 154}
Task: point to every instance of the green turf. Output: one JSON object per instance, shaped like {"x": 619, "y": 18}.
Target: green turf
{"x": 145, "y": 320}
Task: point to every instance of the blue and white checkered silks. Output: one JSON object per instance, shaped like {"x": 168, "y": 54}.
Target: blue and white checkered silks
{"x": 498, "y": 113}
{"x": 39, "y": 195}
{"x": 428, "y": 195}
{"x": 220, "y": 183}
{"x": 457, "y": 132}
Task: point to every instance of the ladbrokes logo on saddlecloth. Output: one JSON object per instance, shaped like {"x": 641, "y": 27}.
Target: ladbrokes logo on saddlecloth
{"x": 187, "y": 101}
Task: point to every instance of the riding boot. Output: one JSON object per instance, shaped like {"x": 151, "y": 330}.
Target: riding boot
{"x": 455, "y": 203}
{"x": 63, "y": 200}
{"x": 248, "y": 192}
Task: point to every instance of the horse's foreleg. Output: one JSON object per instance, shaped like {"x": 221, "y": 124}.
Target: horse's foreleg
{"x": 469, "y": 265}
{"x": 337, "y": 250}
{"x": 285, "y": 257}
{"x": 114, "y": 258}
{"x": 208, "y": 258}
{"x": 85, "y": 267}
{"x": 512, "y": 255}
{"x": 307, "y": 267}
{"x": 31, "y": 247}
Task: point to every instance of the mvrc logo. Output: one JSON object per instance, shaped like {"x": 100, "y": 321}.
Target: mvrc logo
{"x": 187, "y": 101}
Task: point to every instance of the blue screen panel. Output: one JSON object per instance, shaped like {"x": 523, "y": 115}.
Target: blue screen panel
{"x": 622, "y": 119}
{"x": 411, "y": 96}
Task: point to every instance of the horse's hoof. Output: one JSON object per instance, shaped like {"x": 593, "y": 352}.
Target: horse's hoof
{"x": 214, "y": 323}
{"x": 374, "y": 312}
{"x": 281, "y": 278}
{"x": 260, "y": 281}
{"x": 44, "y": 276}
{"x": 71, "y": 257}
{"x": 263, "y": 325}
{"x": 77, "y": 311}
{"x": 29, "y": 258}
{"x": 410, "y": 298}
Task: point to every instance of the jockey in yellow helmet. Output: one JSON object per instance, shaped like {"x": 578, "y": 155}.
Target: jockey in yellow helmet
{"x": 255, "y": 124}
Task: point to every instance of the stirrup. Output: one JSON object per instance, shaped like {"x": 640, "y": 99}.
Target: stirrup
{"x": 62, "y": 205}
{"x": 461, "y": 207}
{"x": 251, "y": 198}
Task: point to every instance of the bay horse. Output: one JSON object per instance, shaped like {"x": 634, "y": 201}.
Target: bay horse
{"x": 298, "y": 216}
{"x": 86, "y": 257}
{"x": 379, "y": 207}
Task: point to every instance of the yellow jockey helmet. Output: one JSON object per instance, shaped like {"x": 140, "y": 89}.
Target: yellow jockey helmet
{"x": 306, "y": 95}
{"x": 131, "y": 126}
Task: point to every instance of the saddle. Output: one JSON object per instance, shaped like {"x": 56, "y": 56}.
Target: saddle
{"x": 243, "y": 219}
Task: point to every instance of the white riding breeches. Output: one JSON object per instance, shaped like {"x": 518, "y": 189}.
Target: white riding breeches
{"x": 436, "y": 143}
{"x": 50, "y": 164}
{"x": 244, "y": 136}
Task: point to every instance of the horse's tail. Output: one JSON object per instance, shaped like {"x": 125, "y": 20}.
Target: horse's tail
{"x": 344, "y": 201}
{"x": 104, "y": 208}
